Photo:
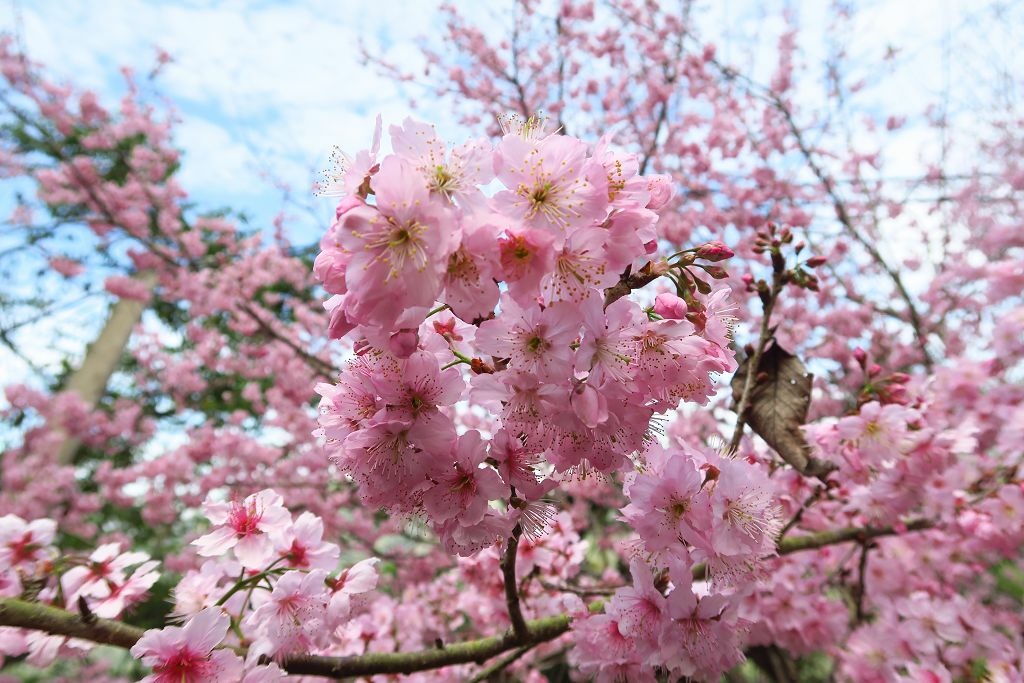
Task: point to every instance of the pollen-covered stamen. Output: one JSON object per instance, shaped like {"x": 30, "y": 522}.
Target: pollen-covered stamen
{"x": 752, "y": 513}
{"x": 464, "y": 482}
{"x": 444, "y": 182}
{"x": 516, "y": 254}
{"x": 331, "y": 183}
{"x": 678, "y": 508}
{"x": 461, "y": 266}
{"x": 385, "y": 457}
{"x": 245, "y": 518}
{"x": 533, "y": 127}
{"x": 399, "y": 245}
{"x": 579, "y": 268}
{"x": 555, "y": 198}
{"x": 535, "y": 518}
{"x": 616, "y": 181}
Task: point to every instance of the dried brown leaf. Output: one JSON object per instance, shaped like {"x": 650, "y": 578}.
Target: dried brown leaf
{"x": 777, "y": 407}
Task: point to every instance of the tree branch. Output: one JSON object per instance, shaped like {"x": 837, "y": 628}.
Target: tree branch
{"x": 508, "y": 568}
{"x": 630, "y": 281}
{"x": 55, "y": 621}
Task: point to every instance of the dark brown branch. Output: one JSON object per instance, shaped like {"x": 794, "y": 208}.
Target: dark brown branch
{"x": 630, "y": 281}
{"x": 820, "y": 539}
{"x": 860, "y": 588}
{"x": 314, "y": 362}
{"x": 811, "y": 500}
{"x": 508, "y": 569}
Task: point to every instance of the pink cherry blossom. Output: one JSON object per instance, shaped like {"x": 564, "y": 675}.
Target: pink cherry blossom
{"x": 187, "y": 653}
{"x": 247, "y": 527}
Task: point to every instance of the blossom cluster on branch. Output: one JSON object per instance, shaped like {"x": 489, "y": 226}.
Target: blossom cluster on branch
{"x": 517, "y": 366}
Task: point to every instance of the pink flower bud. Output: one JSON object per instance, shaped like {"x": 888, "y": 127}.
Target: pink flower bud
{"x": 348, "y": 203}
{"x": 662, "y": 190}
{"x": 340, "y": 325}
{"x": 404, "y": 343}
{"x": 329, "y": 268}
{"x": 590, "y": 406}
{"x": 816, "y": 261}
{"x": 670, "y": 306}
{"x": 714, "y": 251}
{"x": 861, "y": 356}
{"x": 874, "y": 369}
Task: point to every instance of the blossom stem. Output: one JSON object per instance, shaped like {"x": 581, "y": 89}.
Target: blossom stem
{"x": 508, "y": 568}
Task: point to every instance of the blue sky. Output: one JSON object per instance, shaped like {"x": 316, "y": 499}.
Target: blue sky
{"x": 267, "y": 87}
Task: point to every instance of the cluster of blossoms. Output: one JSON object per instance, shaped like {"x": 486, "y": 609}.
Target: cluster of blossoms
{"x": 694, "y": 512}
{"x": 104, "y": 583}
{"x": 497, "y": 359}
{"x": 273, "y": 585}
{"x": 510, "y": 311}
{"x": 463, "y": 302}
{"x": 271, "y": 577}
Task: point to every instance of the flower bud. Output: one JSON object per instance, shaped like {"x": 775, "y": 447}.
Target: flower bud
{"x": 339, "y": 325}
{"x": 861, "y": 356}
{"x": 670, "y": 306}
{"x": 590, "y": 405}
{"x": 404, "y": 343}
{"x": 346, "y": 204}
{"x": 714, "y": 251}
{"x": 816, "y": 261}
{"x": 329, "y": 268}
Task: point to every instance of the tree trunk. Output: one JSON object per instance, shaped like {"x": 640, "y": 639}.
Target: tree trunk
{"x": 102, "y": 357}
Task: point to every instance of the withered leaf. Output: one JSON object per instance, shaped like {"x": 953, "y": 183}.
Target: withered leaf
{"x": 778, "y": 404}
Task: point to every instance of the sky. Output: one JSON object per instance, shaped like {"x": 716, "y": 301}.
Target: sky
{"x": 263, "y": 89}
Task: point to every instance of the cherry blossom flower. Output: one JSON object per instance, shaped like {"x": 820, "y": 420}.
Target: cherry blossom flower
{"x": 303, "y": 545}
{"x": 462, "y": 492}
{"x": 25, "y": 544}
{"x": 247, "y": 527}
{"x": 187, "y": 653}
{"x": 292, "y": 617}
{"x": 547, "y": 183}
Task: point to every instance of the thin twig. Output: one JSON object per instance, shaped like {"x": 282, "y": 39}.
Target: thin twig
{"x": 859, "y": 589}
{"x": 501, "y": 664}
{"x": 754, "y": 362}
{"x": 811, "y": 500}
